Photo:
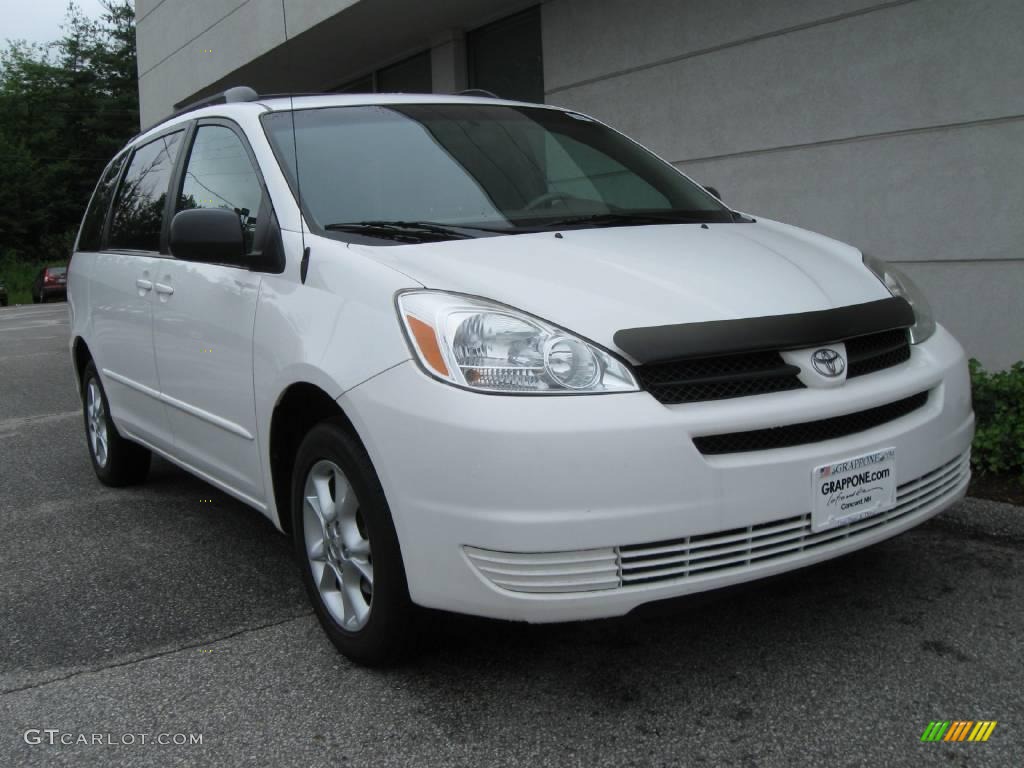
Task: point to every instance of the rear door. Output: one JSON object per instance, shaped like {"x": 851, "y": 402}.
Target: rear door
{"x": 121, "y": 291}
{"x": 203, "y": 320}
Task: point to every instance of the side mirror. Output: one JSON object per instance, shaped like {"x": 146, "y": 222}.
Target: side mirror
{"x": 211, "y": 235}
{"x": 714, "y": 192}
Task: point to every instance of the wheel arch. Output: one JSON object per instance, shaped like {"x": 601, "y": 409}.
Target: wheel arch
{"x": 300, "y": 407}
{"x": 81, "y": 355}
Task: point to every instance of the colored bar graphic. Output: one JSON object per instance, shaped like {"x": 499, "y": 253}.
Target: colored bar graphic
{"x": 959, "y": 730}
{"x": 982, "y": 730}
{"x": 935, "y": 730}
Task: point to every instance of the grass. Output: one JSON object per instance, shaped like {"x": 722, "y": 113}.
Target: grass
{"x": 17, "y": 276}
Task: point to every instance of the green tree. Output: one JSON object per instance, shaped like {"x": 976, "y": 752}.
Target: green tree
{"x": 65, "y": 110}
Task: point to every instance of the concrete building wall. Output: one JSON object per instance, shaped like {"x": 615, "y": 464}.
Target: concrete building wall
{"x": 189, "y": 48}
{"x": 896, "y": 126}
{"x": 185, "y": 46}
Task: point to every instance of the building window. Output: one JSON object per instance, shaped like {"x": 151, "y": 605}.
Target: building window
{"x": 412, "y": 75}
{"x": 361, "y": 85}
{"x": 506, "y": 57}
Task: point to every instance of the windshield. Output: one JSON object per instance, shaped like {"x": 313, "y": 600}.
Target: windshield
{"x": 481, "y": 168}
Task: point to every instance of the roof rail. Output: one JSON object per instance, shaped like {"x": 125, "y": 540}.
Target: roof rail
{"x": 296, "y": 94}
{"x": 477, "y": 92}
{"x": 234, "y": 95}
{"x": 240, "y": 93}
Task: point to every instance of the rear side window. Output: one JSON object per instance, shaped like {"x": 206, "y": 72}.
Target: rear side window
{"x": 139, "y": 210}
{"x": 96, "y": 213}
{"x": 220, "y": 175}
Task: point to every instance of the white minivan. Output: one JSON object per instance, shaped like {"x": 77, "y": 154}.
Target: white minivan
{"x": 497, "y": 358}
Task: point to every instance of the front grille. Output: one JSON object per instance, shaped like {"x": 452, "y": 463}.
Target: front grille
{"x": 722, "y": 553}
{"x": 718, "y": 378}
{"x": 876, "y": 352}
{"x": 758, "y": 373}
{"x": 808, "y": 431}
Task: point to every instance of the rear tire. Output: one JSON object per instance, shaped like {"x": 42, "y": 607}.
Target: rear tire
{"x": 348, "y": 550}
{"x": 117, "y": 462}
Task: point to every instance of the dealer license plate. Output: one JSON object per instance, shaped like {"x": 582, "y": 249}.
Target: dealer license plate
{"x": 852, "y": 489}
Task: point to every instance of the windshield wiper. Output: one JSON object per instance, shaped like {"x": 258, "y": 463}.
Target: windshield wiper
{"x": 407, "y": 229}
{"x": 636, "y": 219}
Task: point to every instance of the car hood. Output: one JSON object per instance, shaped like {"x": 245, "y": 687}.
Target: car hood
{"x": 595, "y": 282}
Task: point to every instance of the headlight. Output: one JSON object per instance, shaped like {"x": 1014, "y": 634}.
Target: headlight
{"x": 900, "y": 285}
{"x": 489, "y": 347}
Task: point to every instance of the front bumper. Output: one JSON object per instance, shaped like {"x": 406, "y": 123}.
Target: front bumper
{"x": 541, "y": 508}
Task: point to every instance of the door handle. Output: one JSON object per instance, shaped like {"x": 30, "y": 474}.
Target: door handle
{"x": 165, "y": 289}
{"x": 144, "y": 285}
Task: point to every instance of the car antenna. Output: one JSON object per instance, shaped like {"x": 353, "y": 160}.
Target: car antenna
{"x": 304, "y": 264}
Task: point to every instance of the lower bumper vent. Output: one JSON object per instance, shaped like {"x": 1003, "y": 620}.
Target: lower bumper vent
{"x": 723, "y": 552}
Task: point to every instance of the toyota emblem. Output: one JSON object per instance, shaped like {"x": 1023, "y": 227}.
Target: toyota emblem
{"x": 828, "y": 362}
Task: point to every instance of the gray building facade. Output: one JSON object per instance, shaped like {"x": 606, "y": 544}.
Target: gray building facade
{"x": 895, "y": 126}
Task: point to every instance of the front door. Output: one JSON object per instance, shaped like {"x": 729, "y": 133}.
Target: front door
{"x": 203, "y": 324}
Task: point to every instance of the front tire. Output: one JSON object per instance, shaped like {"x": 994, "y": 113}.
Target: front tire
{"x": 348, "y": 550}
{"x": 116, "y": 461}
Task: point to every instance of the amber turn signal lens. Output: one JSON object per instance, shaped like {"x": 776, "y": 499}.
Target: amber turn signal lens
{"x": 426, "y": 340}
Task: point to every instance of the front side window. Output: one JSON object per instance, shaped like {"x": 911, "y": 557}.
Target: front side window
{"x": 139, "y": 210}
{"x": 219, "y": 174}
{"x": 96, "y": 215}
{"x": 502, "y": 168}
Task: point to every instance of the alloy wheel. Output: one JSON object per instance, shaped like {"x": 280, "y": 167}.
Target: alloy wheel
{"x": 96, "y": 417}
{"x": 338, "y": 545}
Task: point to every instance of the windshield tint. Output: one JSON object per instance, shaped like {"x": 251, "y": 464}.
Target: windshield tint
{"x": 495, "y": 167}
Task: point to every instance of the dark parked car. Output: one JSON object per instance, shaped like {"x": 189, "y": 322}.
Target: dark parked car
{"x": 50, "y": 283}
{"x": 3, "y": 295}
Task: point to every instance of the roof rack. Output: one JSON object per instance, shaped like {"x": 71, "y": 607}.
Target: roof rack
{"x": 241, "y": 93}
{"x": 296, "y": 94}
{"x": 234, "y": 95}
{"x": 477, "y": 92}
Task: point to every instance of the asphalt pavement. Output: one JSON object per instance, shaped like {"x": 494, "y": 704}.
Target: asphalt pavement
{"x": 172, "y": 613}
